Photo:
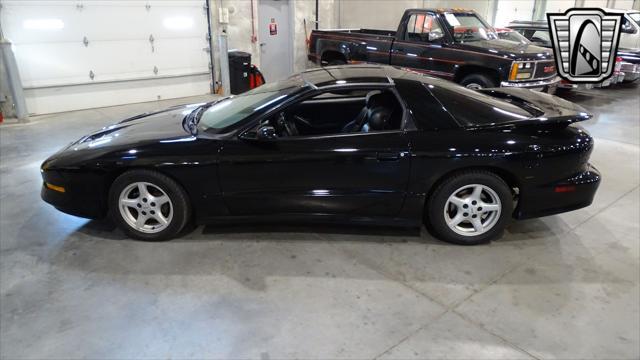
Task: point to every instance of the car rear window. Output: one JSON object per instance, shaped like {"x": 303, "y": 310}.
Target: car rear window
{"x": 471, "y": 107}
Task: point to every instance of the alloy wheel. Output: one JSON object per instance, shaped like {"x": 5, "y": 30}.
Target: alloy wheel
{"x": 472, "y": 210}
{"x": 145, "y": 207}
{"x": 474, "y": 86}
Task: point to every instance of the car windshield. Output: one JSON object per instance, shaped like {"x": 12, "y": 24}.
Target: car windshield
{"x": 469, "y": 27}
{"x": 513, "y": 36}
{"x": 635, "y": 17}
{"x": 233, "y": 109}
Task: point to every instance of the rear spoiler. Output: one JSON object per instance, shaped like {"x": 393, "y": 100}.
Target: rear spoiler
{"x": 545, "y": 109}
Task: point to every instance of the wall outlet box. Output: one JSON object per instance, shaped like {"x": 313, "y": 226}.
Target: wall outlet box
{"x": 223, "y": 15}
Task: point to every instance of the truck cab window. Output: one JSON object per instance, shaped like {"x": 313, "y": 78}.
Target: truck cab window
{"x": 423, "y": 28}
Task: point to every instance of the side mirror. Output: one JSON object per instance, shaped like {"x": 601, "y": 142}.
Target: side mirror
{"x": 434, "y": 36}
{"x": 266, "y": 133}
{"x": 627, "y": 28}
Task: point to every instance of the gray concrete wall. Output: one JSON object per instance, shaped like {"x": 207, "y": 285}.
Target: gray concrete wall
{"x": 6, "y": 103}
{"x": 239, "y": 27}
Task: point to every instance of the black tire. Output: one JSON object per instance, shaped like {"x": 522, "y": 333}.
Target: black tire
{"x": 435, "y": 207}
{"x": 181, "y": 209}
{"x": 336, "y": 62}
{"x": 481, "y": 80}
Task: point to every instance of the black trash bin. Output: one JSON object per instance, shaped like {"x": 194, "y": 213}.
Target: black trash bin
{"x": 239, "y": 70}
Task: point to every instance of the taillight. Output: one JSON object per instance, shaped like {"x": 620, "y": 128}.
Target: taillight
{"x": 564, "y": 188}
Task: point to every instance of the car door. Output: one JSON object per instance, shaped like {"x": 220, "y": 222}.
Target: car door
{"x": 351, "y": 174}
{"x": 421, "y": 46}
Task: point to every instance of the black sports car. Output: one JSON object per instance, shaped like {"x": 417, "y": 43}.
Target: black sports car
{"x": 358, "y": 144}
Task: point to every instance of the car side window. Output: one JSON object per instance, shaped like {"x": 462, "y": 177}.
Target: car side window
{"x": 541, "y": 37}
{"x": 423, "y": 28}
{"x": 627, "y": 27}
{"x": 339, "y": 112}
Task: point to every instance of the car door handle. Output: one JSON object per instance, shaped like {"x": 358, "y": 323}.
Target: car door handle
{"x": 388, "y": 156}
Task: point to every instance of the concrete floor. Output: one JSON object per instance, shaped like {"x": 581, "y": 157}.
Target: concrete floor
{"x": 564, "y": 286}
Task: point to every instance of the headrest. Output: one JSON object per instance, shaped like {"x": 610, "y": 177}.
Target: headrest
{"x": 380, "y": 99}
{"x": 371, "y": 94}
{"x": 379, "y": 118}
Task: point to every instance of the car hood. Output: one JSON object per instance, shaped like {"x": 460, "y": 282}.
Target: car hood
{"x": 164, "y": 125}
{"x": 157, "y": 133}
{"x": 508, "y": 49}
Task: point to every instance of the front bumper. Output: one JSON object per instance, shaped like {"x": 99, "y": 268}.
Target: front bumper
{"x": 561, "y": 196}
{"x": 82, "y": 196}
{"x": 546, "y": 85}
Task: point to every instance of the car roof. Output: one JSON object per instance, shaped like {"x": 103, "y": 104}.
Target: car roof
{"x": 346, "y": 74}
{"x": 620, "y": 11}
{"x": 445, "y": 10}
{"x": 361, "y": 74}
{"x": 529, "y": 23}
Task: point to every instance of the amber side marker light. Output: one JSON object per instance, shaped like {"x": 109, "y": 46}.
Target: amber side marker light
{"x": 564, "y": 189}
{"x": 55, "y": 187}
{"x": 514, "y": 71}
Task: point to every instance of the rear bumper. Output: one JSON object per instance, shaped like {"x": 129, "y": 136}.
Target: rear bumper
{"x": 569, "y": 194}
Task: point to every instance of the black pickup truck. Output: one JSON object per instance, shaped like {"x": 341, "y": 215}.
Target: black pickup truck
{"x": 454, "y": 44}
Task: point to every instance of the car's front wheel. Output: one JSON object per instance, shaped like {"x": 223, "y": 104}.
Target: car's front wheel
{"x": 148, "y": 205}
{"x": 477, "y": 81}
{"x": 470, "y": 208}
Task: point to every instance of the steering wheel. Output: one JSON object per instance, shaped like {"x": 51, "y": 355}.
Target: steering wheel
{"x": 288, "y": 125}
{"x": 302, "y": 120}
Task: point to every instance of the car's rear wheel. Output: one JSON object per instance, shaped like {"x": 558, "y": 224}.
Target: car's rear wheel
{"x": 478, "y": 81}
{"x": 148, "y": 205}
{"x": 470, "y": 208}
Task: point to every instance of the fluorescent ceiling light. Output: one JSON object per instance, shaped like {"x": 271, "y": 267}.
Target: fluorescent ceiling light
{"x": 43, "y": 24}
{"x": 178, "y": 23}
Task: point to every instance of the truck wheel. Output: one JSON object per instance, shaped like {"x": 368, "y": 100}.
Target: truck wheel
{"x": 469, "y": 208}
{"x": 336, "y": 62}
{"x": 477, "y": 81}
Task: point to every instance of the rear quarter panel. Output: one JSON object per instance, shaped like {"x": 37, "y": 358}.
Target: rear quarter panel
{"x": 529, "y": 159}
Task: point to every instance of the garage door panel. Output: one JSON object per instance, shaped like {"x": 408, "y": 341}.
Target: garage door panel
{"x": 66, "y": 23}
{"x": 71, "y": 63}
{"x": 58, "y": 99}
{"x": 48, "y": 42}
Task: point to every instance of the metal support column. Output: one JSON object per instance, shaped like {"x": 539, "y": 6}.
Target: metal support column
{"x": 210, "y": 37}
{"x": 540, "y": 10}
{"x": 223, "y": 45}
{"x": 13, "y": 77}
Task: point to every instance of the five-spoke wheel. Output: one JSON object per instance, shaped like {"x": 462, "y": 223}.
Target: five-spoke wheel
{"x": 148, "y": 205}
{"x": 469, "y": 208}
{"x": 145, "y": 207}
{"x": 472, "y": 209}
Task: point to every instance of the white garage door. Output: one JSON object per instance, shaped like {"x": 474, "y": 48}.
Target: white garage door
{"x": 559, "y": 6}
{"x": 623, "y": 4}
{"x": 83, "y": 54}
{"x": 511, "y": 10}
